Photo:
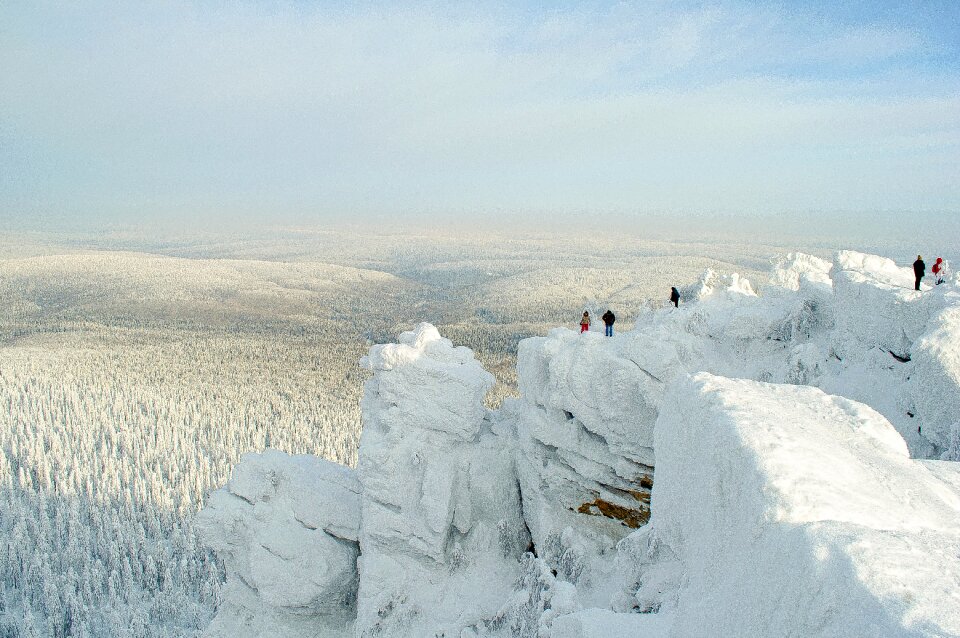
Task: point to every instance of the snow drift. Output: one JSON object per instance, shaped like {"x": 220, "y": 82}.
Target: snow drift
{"x": 635, "y": 488}
{"x": 804, "y": 515}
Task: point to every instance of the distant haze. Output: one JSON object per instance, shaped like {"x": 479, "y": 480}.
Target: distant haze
{"x": 794, "y": 113}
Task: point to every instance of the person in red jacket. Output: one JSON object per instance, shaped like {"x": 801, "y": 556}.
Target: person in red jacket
{"x": 939, "y": 270}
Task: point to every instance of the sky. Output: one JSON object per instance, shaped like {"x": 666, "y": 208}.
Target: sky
{"x": 310, "y": 113}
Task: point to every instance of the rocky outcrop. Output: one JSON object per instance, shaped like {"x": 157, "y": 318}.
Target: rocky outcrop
{"x": 584, "y": 447}
{"x": 809, "y": 519}
{"x": 440, "y": 504}
{"x": 546, "y": 518}
{"x": 877, "y": 306}
{"x": 287, "y": 529}
{"x": 934, "y": 383}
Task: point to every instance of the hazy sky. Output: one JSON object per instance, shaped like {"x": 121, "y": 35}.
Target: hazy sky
{"x": 312, "y": 112}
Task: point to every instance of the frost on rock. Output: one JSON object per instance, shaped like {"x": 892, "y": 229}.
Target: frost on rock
{"x": 952, "y": 452}
{"x": 585, "y": 452}
{"x": 537, "y": 600}
{"x": 650, "y": 574}
{"x": 803, "y": 288}
{"x": 712, "y": 282}
{"x": 896, "y": 349}
{"x": 589, "y": 404}
{"x": 424, "y": 382}
{"x": 441, "y": 531}
{"x": 796, "y": 270}
{"x": 804, "y": 513}
{"x": 935, "y": 380}
{"x": 287, "y": 530}
{"x": 877, "y": 305}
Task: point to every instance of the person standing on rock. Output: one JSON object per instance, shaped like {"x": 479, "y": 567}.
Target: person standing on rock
{"x": 919, "y": 269}
{"x": 939, "y": 270}
{"x": 675, "y": 297}
{"x": 585, "y": 322}
{"x": 608, "y": 319}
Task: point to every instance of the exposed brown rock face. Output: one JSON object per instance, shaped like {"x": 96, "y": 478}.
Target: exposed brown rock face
{"x": 633, "y": 516}
{"x": 584, "y": 459}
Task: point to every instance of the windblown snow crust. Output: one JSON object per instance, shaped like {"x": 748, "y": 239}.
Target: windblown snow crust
{"x": 715, "y": 471}
{"x": 796, "y": 513}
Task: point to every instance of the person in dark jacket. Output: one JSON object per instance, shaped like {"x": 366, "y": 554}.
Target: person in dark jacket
{"x": 608, "y": 319}
{"x": 675, "y": 297}
{"x": 919, "y": 269}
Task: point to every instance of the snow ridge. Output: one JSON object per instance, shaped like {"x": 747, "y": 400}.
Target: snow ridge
{"x": 746, "y": 464}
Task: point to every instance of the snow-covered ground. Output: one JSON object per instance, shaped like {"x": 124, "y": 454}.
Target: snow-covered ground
{"x": 810, "y": 520}
{"x": 771, "y": 464}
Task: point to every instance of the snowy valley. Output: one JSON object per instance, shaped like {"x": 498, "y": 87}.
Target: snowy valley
{"x": 772, "y": 465}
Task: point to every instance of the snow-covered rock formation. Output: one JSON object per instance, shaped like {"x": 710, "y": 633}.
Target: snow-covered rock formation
{"x": 440, "y": 504}
{"x": 635, "y": 488}
{"x": 287, "y": 529}
{"x": 933, "y": 383}
{"x": 798, "y": 513}
{"x": 877, "y": 305}
{"x": 584, "y": 448}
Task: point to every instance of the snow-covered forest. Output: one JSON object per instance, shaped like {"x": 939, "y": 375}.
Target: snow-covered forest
{"x": 133, "y": 375}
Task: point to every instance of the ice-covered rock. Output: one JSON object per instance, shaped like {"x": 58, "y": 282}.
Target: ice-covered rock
{"x": 589, "y": 404}
{"x": 587, "y": 377}
{"x": 585, "y": 446}
{"x": 876, "y": 305}
{"x": 935, "y": 380}
{"x": 794, "y": 270}
{"x": 425, "y": 382}
{"x": 287, "y": 529}
{"x": 776, "y": 510}
{"x": 803, "y": 291}
{"x": 894, "y": 348}
{"x": 791, "y": 512}
{"x": 441, "y": 529}
{"x": 952, "y": 453}
{"x": 711, "y": 282}
{"x": 538, "y": 598}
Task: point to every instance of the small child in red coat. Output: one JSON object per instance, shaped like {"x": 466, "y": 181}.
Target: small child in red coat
{"x": 940, "y": 270}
